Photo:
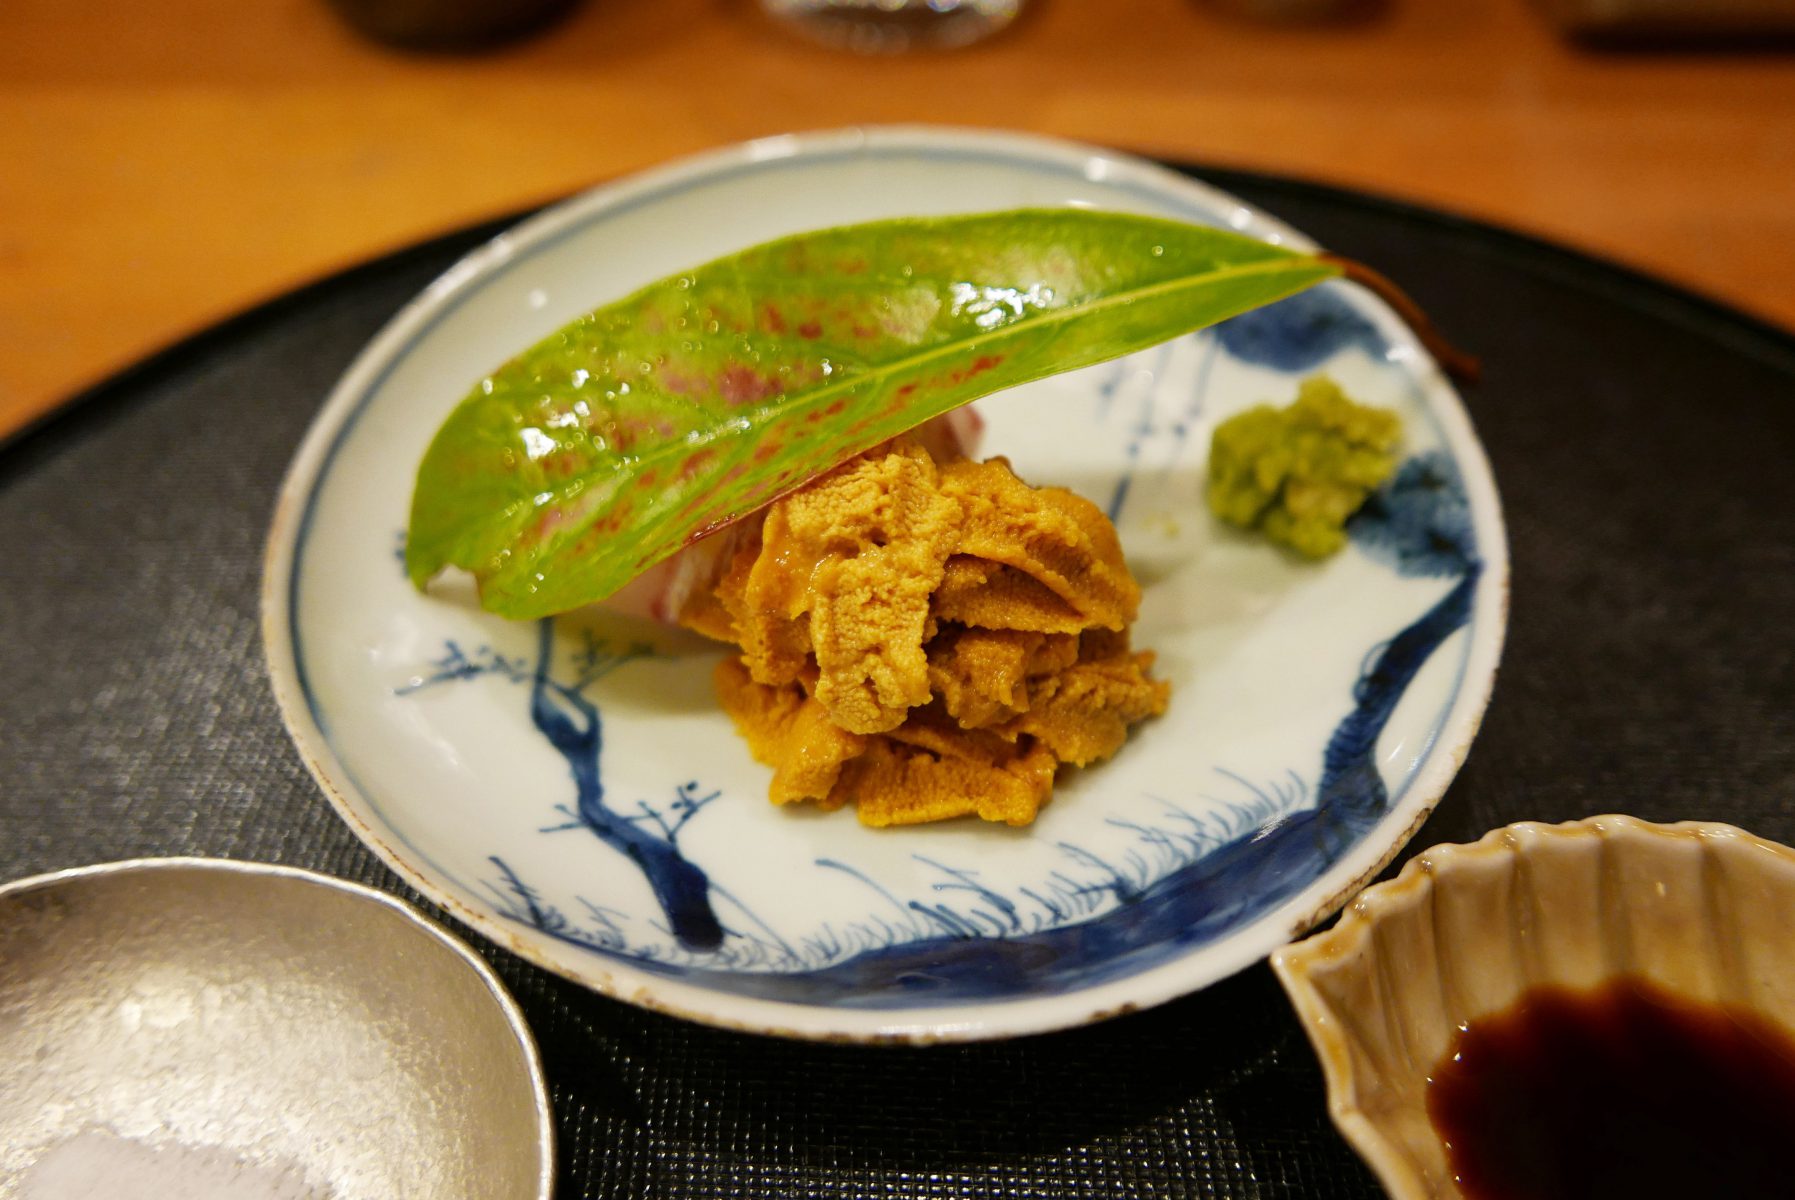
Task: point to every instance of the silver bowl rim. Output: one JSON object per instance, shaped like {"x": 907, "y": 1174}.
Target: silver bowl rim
{"x": 495, "y": 989}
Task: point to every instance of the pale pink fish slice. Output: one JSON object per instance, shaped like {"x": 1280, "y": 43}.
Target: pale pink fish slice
{"x": 659, "y": 593}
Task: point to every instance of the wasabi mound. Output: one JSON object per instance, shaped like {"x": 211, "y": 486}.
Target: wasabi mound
{"x": 1296, "y": 474}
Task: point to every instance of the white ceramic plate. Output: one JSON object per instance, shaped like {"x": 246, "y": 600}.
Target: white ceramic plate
{"x": 1318, "y": 712}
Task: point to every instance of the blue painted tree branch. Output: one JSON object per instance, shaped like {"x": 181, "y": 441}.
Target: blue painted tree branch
{"x": 573, "y": 726}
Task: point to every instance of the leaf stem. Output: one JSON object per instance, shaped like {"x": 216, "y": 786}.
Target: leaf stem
{"x": 1462, "y": 366}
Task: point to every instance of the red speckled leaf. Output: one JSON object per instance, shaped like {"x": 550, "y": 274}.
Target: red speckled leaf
{"x": 643, "y": 425}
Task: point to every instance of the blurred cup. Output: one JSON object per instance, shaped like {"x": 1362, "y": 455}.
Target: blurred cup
{"x": 1299, "y": 12}
{"x": 449, "y": 25}
{"x": 891, "y": 26}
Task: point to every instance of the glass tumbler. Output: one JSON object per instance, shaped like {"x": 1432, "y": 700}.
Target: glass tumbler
{"x": 890, "y": 26}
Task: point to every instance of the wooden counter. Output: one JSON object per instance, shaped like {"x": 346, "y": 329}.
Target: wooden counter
{"x": 169, "y": 162}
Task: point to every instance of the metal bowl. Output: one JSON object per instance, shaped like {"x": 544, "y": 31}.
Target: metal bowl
{"x": 209, "y": 1013}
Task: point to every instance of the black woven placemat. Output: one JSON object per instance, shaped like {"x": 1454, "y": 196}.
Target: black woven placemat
{"x": 1642, "y": 440}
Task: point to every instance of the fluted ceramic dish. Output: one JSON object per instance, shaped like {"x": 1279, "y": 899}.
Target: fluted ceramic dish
{"x": 571, "y": 789}
{"x": 1702, "y": 910}
{"x": 303, "y": 1036}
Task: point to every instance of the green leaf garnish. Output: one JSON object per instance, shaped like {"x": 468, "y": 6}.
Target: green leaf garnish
{"x": 666, "y": 415}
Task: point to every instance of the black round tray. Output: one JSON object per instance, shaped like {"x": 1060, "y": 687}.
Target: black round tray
{"x": 1642, "y": 441}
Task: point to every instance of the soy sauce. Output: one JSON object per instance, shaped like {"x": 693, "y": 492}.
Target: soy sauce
{"x": 1626, "y": 1091}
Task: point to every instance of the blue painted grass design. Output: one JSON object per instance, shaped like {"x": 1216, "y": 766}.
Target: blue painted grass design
{"x": 1142, "y": 428}
{"x": 1195, "y": 404}
{"x": 902, "y": 933}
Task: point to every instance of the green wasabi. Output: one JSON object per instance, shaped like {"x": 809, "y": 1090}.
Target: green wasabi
{"x": 1296, "y": 474}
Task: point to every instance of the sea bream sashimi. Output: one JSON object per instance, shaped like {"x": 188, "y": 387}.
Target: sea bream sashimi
{"x": 661, "y": 592}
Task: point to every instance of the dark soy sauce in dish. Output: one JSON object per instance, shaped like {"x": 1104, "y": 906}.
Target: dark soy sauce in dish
{"x": 1624, "y": 1091}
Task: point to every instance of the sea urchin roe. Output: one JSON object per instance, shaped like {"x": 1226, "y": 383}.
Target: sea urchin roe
{"x": 929, "y": 640}
{"x": 1297, "y": 473}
